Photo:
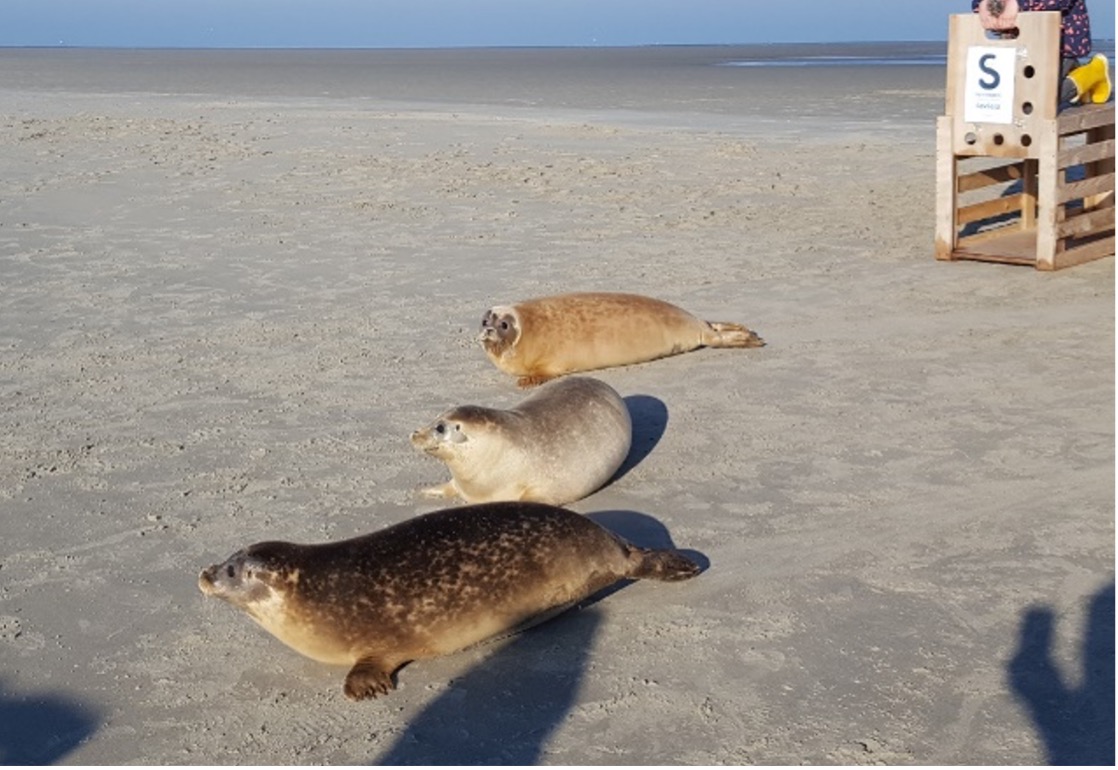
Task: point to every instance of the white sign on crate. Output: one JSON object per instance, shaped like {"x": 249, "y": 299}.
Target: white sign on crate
{"x": 989, "y": 85}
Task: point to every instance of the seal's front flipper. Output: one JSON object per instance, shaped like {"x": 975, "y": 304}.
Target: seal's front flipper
{"x": 445, "y": 491}
{"x": 367, "y": 679}
{"x": 532, "y": 380}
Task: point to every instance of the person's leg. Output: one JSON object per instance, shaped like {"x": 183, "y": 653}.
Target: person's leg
{"x": 1089, "y": 82}
{"x": 1068, "y": 89}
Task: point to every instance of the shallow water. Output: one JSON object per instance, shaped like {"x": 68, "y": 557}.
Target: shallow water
{"x": 682, "y": 86}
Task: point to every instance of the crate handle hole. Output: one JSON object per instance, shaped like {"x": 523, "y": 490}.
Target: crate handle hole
{"x": 1029, "y": 70}
{"x": 1027, "y": 108}
{"x": 999, "y": 139}
{"x": 970, "y": 138}
{"x": 1026, "y": 140}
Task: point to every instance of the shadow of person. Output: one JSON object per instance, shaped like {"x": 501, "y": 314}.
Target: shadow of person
{"x": 650, "y": 419}
{"x": 41, "y": 729}
{"x": 1077, "y": 724}
{"x": 504, "y": 710}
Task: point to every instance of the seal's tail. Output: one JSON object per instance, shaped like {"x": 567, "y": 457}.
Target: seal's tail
{"x": 731, "y": 335}
{"x": 661, "y": 565}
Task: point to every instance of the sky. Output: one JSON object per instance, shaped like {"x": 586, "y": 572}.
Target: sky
{"x": 441, "y": 23}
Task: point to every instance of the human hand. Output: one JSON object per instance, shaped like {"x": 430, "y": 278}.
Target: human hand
{"x": 1003, "y": 20}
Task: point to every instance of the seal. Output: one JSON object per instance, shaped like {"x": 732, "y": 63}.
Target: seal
{"x": 543, "y": 338}
{"x": 431, "y": 585}
{"x": 558, "y": 445}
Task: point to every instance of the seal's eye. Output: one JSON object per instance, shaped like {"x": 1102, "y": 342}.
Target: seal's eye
{"x": 231, "y": 571}
{"x": 440, "y": 428}
{"x": 504, "y": 326}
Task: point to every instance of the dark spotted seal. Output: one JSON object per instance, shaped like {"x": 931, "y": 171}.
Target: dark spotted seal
{"x": 429, "y": 586}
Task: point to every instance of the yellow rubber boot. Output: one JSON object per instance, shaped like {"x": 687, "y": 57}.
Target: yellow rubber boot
{"x": 1092, "y": 80}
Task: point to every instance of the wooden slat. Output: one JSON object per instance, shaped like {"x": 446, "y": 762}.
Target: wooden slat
{"x": 978, "y": 179}
{"x": 1087, "y": 223}
{"x": 1000, "y": 258}
{"x": 957, "y": 28}
{"x": 1104, "y": 247}
{"x": 1050, "y": 178}
{"x": 979, "y": 211}
{"x": 1070, "y": 191}
{"x": 1008, "y": 237}
{"x": 1086, "y": 153}
{"x": 1009, "y": 245}
{"x": 1100, "y": 167}
{"x": 945, "y": 190}
{"x": 1077, "y": 119}
{"x": 1028, "y": 195}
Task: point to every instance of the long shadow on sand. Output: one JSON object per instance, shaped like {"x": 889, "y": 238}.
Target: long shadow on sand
{"x": 1077, "y": 723}
{"x": 650, "y": 419}
{"x": 505, "y": 710}
{"x": 41, "y": 729}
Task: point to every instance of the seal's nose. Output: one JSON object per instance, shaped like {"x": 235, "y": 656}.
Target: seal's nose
{"x": 206, "y": 580}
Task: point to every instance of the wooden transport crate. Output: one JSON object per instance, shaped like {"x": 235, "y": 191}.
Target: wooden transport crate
{"x": 1037, "y": 190}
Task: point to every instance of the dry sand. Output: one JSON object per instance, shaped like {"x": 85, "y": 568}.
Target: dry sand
{"x": 221, "y": 317}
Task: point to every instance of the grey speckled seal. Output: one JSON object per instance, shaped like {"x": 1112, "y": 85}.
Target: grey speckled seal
{"x": 556, "y": 446}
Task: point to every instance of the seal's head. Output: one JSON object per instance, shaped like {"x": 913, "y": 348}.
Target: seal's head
{"x": 440, "y": 437}
{"x": 253, "y": 579}
{"x": 448, "y": 435}
{"x": 500, "y": 330}
{"x": 273, "y": 583}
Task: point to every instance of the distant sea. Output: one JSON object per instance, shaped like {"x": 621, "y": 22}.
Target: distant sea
{"x": 781, "y": 84}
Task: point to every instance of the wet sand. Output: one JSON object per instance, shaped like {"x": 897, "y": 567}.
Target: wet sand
{"x": 227, "y": 301}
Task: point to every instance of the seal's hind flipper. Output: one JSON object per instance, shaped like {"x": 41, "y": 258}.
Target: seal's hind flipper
{"x": 731, "y": 335}
{"x": 661, "y": 565}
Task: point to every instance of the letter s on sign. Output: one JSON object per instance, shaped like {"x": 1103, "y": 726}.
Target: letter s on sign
{"x": 995, "y": 78}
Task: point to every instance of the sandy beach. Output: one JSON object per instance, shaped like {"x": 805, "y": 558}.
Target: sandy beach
{"x": 226, "y": 302}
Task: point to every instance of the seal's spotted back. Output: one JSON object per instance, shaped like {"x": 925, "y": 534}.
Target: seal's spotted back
{"x": 430, "y": 585}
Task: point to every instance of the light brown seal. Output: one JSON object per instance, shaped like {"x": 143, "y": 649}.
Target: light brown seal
{"x": 556, "y": 446}
{"x": 547, "y": 337}
{"x": 431, "y": 585}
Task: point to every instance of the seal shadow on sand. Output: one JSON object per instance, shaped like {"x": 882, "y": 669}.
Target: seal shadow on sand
{"x": 649, "y": 416}
{"x": 41, "y": 729}
{"x": 505, "y": 709}
{"x": 1076, "y": 723}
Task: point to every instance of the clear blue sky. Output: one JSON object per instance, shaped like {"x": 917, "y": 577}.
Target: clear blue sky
{"x": 434, "y": 23}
